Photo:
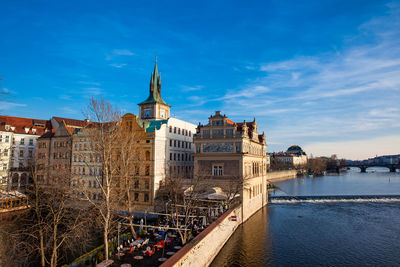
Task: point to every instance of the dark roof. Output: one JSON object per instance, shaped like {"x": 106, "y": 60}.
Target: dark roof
{"x": 72, "y": 122}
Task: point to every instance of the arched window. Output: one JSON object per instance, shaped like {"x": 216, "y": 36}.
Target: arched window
{"x": 147, "y": 155}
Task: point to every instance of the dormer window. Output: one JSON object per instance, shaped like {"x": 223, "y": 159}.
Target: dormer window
{"x": 26, "y": 130}
{"x": 7, "y": 127}
{"x": 12, "y": 128}
{"x": 34, "y": 131}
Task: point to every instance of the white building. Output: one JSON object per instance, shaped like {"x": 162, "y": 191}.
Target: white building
{"x": 17, "y": 149}
{"x": 172, "y": 139}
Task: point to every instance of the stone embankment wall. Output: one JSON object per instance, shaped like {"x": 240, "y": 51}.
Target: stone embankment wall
{"x": 202, "y": 250}
{"x": 281, "y": 175}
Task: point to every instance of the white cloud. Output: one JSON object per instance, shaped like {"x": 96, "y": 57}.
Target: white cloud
{"x": 191, "y": 88}
{"x": 4, "y": 105}
{"x": 118, "y": 65}
{"x": 123, "y": 52}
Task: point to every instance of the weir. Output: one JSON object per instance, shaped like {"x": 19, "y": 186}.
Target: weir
{"x": 341, "y": 198}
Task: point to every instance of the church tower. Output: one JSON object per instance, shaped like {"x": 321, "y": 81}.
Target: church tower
{"x": 154, "y": 107}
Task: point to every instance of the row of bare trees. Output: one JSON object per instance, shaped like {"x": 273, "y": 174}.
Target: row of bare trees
{"x": 59, "y": 224}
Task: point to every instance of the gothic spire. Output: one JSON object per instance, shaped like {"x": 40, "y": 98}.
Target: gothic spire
{"x": 155, "y": 87}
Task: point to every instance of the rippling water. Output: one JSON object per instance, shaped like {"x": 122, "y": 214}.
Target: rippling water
{"x": 329, "y": 233}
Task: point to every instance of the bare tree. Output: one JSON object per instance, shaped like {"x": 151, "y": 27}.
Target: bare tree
{"x": 130, "y": 154}
{"x": 51, "y": 229}
{"x": 102, "y": 137}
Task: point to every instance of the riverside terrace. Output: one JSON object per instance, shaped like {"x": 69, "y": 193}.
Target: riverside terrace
{"x": 158, "y": 243}
{"x": 158, "y": 239}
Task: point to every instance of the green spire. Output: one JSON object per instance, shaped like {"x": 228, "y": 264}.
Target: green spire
{"x": 155, "y": 87}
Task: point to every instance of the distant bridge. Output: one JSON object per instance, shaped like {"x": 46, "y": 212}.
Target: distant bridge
{"x": 363, "y": 167}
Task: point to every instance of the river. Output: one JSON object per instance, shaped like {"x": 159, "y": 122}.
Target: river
{"x": 340, "y": 231}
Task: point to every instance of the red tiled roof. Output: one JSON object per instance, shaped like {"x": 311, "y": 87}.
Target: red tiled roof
{"x": 21, "y": 124}
{"x": 72, "y": 122}
{"x": 229, "y": 121}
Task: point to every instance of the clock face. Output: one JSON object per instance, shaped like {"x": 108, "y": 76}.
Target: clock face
{"x": 162, "y": 113}
{"x": 147, "y": 113}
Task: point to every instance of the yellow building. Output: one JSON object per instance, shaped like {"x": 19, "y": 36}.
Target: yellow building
{"x": 226, "y": 151}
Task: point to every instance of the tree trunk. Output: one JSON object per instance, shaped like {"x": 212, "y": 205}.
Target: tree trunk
{"x": 42, "y": 255}
{"x": 106, "y": 240}
{"x": 53, "y": 261}
{"x": 132, "y": 229}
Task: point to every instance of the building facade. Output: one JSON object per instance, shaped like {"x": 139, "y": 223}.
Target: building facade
{"x": 18, "y": 137}
{"x": 227, "y": 151}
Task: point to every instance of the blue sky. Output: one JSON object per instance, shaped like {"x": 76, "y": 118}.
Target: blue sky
{"x": 321, "y": 74}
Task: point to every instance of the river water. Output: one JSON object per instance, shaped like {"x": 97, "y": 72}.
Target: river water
{"x": 323, "y": 231}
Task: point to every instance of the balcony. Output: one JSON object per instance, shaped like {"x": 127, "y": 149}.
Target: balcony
{"x": 219, "y": 136}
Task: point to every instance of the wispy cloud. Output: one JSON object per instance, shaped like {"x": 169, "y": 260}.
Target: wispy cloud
{"x": 185, "y": 88}
{"x": 118, "y": 65}
{"x": 65, "y": 97}
{"x": 89, "y": 83}
{"x": 117, "y": 53}
{"x": 122, "y": 52}
{"x": 94, "y": 91}
{"x": 340, "y": 95}
{"x": 10, "y": 105}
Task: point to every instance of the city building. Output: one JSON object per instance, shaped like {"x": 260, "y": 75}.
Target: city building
{"x": 293, "y": 157}
{"x": 165, "y": 147}
{"x": 18, "y": 137}
{"x": 227, "y": 151}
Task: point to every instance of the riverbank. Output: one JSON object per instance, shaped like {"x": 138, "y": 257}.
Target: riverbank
{"x": 202, "y": 250}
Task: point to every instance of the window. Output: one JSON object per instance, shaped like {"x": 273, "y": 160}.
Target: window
{"x": 170, "y": 142}
{"x": 217, "y": 170}
{"x": 238, "y": 147}
{"x": 206, "y": 133}
{"x": 21, "y": 153}
{"x": 31, "y": 142}
{"x": 147, "y": 184}
{"x": 175, "y": 130}
{"x": 147, "y": 170}
{"x": 179, "y": 157}
{"x": 218, "y": 132}
{"x": 229, "y": 132}
{"x": 147, "y": 113}
{"x": 179, "y": 130}
{"x": 174, "y": 143}
{"x": 136, "y": 184}
{"x": 1, "y": 138}
{"x": 190, "y": 134}
{"x": 22, "y": 141}
{"x": 30, "y": 153}
{"x": 179, "y": 143}
{"x": 146, "y": 197}
{"x": 170, "y": 129}
{"x": 170, "y": 156}
{"x": 147, "y": 155}
{"x": 174, "y": 156}
{"x": 136, "y": 196}
{"x": 7, "y": 139}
